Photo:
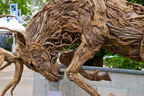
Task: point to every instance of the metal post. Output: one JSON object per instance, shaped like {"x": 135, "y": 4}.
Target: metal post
{"x": 14, "y": 44}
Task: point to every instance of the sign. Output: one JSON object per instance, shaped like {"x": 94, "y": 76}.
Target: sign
{"x": 14, "y": 9}
{"x": 15, "y": 12}
{"x": 19, "y": 14}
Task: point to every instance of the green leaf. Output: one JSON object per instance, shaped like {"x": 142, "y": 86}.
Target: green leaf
{"x": 124, "y": 63}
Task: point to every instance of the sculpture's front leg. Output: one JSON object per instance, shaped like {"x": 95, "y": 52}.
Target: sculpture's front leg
{"x": 82, "y": 54}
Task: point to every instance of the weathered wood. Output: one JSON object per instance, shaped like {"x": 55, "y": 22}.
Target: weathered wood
{"x": 6, "y": 16}
{"x": 88, "y": 26}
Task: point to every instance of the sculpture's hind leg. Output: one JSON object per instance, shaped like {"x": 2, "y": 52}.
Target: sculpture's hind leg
{"x": 95, "y": 76}
{"x": 66, "y": 58}
{"x": 82, "y": 54}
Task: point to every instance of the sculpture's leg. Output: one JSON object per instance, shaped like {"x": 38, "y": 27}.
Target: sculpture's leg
{"x": 82, "y": 54}
{"x": 16, "y": 79}
{"x": 95, "y": 76}
{"x": 65, "y": 58}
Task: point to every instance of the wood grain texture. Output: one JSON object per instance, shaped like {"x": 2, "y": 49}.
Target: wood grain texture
{"x": 88, "y": 26}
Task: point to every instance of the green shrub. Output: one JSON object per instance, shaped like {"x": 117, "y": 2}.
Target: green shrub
{"x": 137, "y": 1}
{"x": 117, "y": 61}
{"x": 9, "y": 41}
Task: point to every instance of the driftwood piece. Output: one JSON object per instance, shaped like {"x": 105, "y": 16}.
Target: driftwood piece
{"x": 6, "y": 16}
{"x": 88, "y": 25}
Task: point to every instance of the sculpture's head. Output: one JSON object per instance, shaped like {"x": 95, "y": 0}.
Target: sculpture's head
{"x": 35, "y": 57}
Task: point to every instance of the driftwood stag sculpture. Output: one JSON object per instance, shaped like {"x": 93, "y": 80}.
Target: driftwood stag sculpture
{"x": 114, "y": 25}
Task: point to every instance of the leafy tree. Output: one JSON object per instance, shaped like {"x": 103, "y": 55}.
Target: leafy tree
{"x": 137, "y": 1}
{"x": 23, "y": 5}
{"x": 117, "y": 61}
{"x": 28, "y": 8}
{"x": 37, "y": 4}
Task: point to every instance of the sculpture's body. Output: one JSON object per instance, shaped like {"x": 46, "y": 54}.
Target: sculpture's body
{"x": 113, "y": 25}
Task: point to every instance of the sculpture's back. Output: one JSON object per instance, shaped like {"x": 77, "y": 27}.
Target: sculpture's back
{"x": 126, "y": 29}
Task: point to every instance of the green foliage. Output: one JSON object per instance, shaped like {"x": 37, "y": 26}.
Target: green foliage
{"x": 9, "y": 41}
{"x": 117, "y": 61}
{"x": 47, "y": 0}
{"x": 137, "y": 1}
{"x": 102, "y": 53}
{"x": 73, "y": 46}
{"x": 23, "y": 5}
{"x": 37, "y": 4}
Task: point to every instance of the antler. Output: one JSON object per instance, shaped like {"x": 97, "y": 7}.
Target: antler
{"x": 6, "y": 56}
{"x": 16, "y": 79}
{"x": 6, "y": 16}
{"x": 9, "y": 29}
{"x": 10, "y": 58}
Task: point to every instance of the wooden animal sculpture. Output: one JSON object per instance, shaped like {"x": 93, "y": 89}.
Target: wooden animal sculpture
{"x": 114, "y": 25}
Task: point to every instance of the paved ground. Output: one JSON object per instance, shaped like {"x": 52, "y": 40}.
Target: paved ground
{"x": 24, "y": 88}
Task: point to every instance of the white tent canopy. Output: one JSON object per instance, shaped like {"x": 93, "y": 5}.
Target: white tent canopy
{"x": 12, "y": 24}
{"x": 3, "y": 23}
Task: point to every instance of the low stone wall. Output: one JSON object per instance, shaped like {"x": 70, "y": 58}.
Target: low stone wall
{"x": 124, "y": 83}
